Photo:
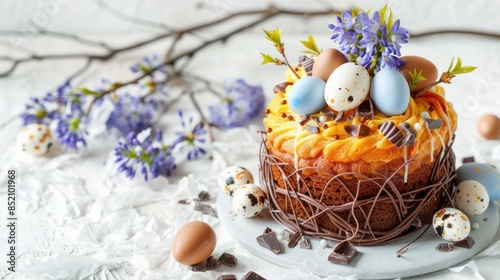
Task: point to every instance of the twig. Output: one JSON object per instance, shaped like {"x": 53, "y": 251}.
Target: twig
{"x": 455, "y": 31}
{"x": 81, "y": 70}
{"x": 265, "y": 13}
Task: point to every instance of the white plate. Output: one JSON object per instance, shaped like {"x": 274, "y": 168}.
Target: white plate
{"x": 372, "y": 262}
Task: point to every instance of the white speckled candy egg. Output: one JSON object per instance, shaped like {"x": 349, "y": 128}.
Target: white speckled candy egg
{"x": 471, "y": 197}
{"x": 390, "y": 92}
{"x": 306, "y": 96}
{"x": 347, "y": 87}
{"x": 35, "y": 139}
{"x": 233, "y": 177}
{"x": 248, "y": 200}
{"x": 484, "y": 174}
{"x": 451, "y": 224}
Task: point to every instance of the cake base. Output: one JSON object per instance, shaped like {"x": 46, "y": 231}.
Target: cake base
{"x": 372, "y": 262}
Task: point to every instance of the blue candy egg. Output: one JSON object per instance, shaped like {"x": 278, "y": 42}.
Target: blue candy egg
{"x": 484, "y": 174}
{"x": 306, "y": 96}
{"x": 390, "y": 92}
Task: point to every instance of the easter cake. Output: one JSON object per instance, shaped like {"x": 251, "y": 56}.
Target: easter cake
{"x": 358, "y": 138}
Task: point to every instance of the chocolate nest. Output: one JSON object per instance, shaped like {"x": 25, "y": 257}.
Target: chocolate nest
{"x": 354, "y": 227}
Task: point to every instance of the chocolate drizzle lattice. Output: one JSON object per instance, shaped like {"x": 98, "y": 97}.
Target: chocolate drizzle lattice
{"x": 354, "y": 227}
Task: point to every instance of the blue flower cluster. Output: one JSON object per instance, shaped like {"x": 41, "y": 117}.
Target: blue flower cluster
{"x": 240, "y": 104}
{"x": 149, "y": 156}
{"x": 371, "y": 41}
{"x": 65, "y": 108}
{"x": 132, "y": 113}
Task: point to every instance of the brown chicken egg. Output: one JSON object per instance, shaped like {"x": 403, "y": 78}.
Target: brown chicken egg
{"x": 194, "y": 243}
{"x": 489, "y": 126}
{"x": 327, "y": 61}
{"x": 429, "y": 70}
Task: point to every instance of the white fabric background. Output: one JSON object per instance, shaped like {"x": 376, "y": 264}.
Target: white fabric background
{"x": 79, "y": 220}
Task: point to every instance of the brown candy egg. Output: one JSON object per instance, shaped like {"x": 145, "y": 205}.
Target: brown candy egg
{"x": 429, "y": 70}
{"x": 327, "y": 61}
{"x": 489, "y": 126}
{"x": 194, "y": 243}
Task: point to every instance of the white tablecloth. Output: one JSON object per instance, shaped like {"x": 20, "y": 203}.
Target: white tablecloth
{"x": 78, "y": 219}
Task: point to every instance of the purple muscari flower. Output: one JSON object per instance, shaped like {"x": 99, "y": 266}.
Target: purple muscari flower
{"x": 191, "y": 138}
{"x": 241, "y": 103}
{"x": 150, "y": 157}
{"x": 70, "y": 131}
{"x": 132, "y": 113}
{"x": 146, "y": 64}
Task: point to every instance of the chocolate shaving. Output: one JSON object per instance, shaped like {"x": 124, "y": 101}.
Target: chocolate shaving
{"x": 252, "y": 276}
{"x": 365, "y": 110}
{"x": 184, "y": 202}
{"x": 392, "y": 133}
{"x": 410, "y": 134}
{"x": 445, "y": 247}
{"x": 316, "y": 119}
{"x": 270, "y": 242}
{"x": 228, "y": 260}
{"x": 227, "y": 277}
{"x": 339, "y": 117}
{"x": 286, "y": 235}
{"x": 359, "y": 130}
{"x": 433, "y": 123}
{"x": 304, "y": 243}
{"x": 267, "y": 230}
{"x": 294, "y": 240}
{"x": 304, "y": 120}
{"x": 281, "y": 87}
{"x": 343, "y": 253}
{"x": 205, "y": 209}
{"x": 467, "y": 243}
{"x": 468, "y": 159}
{"x": 203, "y": 196}
{"x": 307, "y": 63}
{"x": 312, "y": 128}
{"x": 329, "y": 114}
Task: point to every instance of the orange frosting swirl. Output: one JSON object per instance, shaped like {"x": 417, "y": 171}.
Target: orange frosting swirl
{"x": 334, "y": 144}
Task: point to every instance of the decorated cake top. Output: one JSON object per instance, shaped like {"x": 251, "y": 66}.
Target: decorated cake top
{"x": 342, "y": 103}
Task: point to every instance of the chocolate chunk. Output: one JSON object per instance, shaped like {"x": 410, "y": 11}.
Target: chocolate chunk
{"x": 227, "y": 277}
{"x": 365, "y": 110}
{"x": 312, "y": 128}
{"x": 203, "y": 196}
{"x": 184, "y": 201}
{"x": 307, "y": 63}
{"x": 252, "y": 276}
{"x": 445, "y": 247}
{"x": 410, "y": 134}
{"x": 343, "y": 253}
{"x": 433, "y": 123}
{"x": 392, "y": 133}
{"x": 467, "y": 243}
{"x": 267, "y": 230}
{"x": 270, "y": 242}
{"x": 359, "y": 130}
{"x": 212, "y": 263}
{"x": 205, "y": 209}
{"x": 304, "y": 120}
{"x": 202, "y": 266}
{"x": 286, "y": 235}
{"x": 316, "y": 119}
{"x": 329, "y": 114}
{"x": 468, "y": 159}
{"x": 294, "y": 239}
{"x": 228, "y": 260}
{"x": 281, "y": 87}
{"x": 339, "y": 117}
{"x": 304, "y": 243}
